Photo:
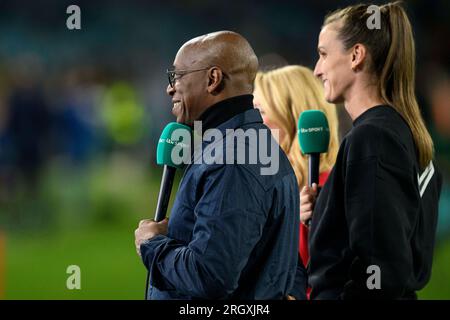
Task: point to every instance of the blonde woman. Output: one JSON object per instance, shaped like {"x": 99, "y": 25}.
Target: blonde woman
{"x": 282, "y": 95}
{"x": 374, "y": 223}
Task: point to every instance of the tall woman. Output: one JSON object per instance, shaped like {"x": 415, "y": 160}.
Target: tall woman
{"x": 374, "y": 222}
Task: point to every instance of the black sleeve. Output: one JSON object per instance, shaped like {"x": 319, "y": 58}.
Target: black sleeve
{"x": 381, "y": 201}
{"x": 301, "y": 281}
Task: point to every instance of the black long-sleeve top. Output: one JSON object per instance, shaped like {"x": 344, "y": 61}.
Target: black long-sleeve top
{"x": 377, "y": 208}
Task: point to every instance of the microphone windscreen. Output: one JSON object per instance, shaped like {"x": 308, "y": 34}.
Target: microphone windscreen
{"x": 313, "y": 132}
{"x": 174, "y": 135}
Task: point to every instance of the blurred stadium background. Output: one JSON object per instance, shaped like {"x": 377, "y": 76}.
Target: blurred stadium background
{"x": 81, "y": 112}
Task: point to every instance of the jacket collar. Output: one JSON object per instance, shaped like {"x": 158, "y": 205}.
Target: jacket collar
{"x": 223, "y": 111}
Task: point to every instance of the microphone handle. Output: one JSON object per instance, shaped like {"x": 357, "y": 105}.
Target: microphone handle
{"x": 164, "y": 192}
{"x": 163, "y": 202}
{"x": 313, "y": 168}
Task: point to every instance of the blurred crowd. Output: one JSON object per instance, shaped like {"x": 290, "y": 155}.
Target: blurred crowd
{"x": 81, "y": 96}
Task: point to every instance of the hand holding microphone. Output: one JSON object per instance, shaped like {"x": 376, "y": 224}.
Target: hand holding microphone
{"x": 147, "y": 230}
{"x": 171, "y": 144}
{"x": 175, "y": 142}
{"x": 308, "y": 197}
{"x": 314, "y": 137}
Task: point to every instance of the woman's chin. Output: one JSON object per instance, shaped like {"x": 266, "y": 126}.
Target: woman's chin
{"x": 329, "y": 99}
{"x": 334, "y": 99}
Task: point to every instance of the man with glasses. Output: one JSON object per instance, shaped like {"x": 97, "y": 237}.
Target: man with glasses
{"x": 233, "y": 233}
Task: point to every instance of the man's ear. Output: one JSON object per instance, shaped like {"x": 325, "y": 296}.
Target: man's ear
{"x": 215, "y": 80}
{"x": 359, "y": 56}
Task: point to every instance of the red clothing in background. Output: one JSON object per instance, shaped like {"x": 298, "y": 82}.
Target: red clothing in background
{"x": 304, "y": 230}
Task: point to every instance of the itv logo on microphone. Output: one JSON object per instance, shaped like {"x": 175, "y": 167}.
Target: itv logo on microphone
{"x": 315, "y": 129}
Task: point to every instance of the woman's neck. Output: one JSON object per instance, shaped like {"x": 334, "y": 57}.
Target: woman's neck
{"x": 361, "y": 98}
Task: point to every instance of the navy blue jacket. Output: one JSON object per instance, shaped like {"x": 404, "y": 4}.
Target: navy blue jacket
{"x": 233, "y": 233}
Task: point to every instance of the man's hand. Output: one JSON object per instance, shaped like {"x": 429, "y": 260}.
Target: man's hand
{"x": 148, "y": 229}
{"x": 307, "y": 200}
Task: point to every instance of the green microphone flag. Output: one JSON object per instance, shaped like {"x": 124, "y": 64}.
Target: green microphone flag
{"x": 314, "y": 137}
{"x": 172, "y": 151}
{"x": 174, "y": 146}
{"x": 313, "y": 132}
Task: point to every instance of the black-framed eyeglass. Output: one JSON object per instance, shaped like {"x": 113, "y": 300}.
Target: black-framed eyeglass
{"x": 172, "y": 74}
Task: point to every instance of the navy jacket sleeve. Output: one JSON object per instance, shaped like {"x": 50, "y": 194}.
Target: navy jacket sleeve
{"x": 301, "y": 281}
{"x": 227, "y": 228}
{"x": 381, "y": 201}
